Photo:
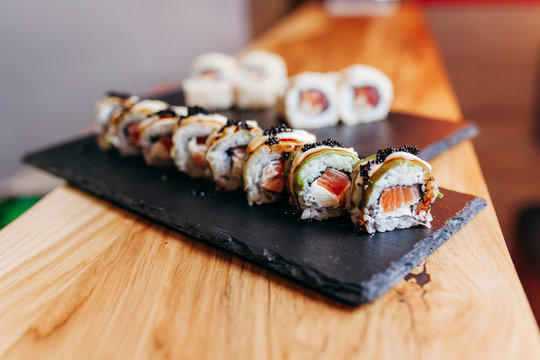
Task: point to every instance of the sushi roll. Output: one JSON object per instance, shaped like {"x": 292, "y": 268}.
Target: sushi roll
{"x": 318, "y": 179}
{"x": 113, "y": 104}
{"x": 214, "y": 66}
{"x": 227, "y": 151}
{"x": 156, "y": 135}
{"x": 365, "y": 95}
{"x": 264, "y": 170}
{"x": 391, "y": 190}
{"x": 211, "y": 84}
{"x": 189, "y": 141}
{"x": 260, "y": 80}
{"x": 209, "y": 94}
{"x": 126, "y": 132}
{"x": 311, "y": 101}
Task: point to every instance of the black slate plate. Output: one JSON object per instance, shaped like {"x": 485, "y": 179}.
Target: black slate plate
{"x": 326, "y": 256}
{"x": 431, "y": 136}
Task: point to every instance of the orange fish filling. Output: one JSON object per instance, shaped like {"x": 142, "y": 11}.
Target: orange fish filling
{"x": 335, "y": 182}
{"x": 366, "y": 96}
{"x": 313, "y": 102}
{"x": 395, "y": 197}
{"x": 272, "y": 178}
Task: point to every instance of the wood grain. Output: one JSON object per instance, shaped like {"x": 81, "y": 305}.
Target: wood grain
{"x": 80, "y": 278}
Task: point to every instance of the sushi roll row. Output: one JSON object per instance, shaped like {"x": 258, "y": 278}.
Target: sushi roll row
{"x": 392, "y": 189}
{"x": 218, "y": 81}
{"x": 359, "y": 94}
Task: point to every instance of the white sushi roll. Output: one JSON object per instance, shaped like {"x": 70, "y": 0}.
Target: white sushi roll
{"x": 214, "y": 66}
{"x": 318, "y": 179}
{"x": 113, "y": 104}
{"x": 393, "y": 189}
{"x": 311, "y": 101}
{"x": 260, "y": 80}
{"x": 211, "y": 84}
{"x": 227, "y": 151}
{"x": 189, "y": 141}
{"x": 264, "y": 170}
{"x": 365, "y": 95}
{"x": 156, "y": 135}
{"x": 126, "y": 132}
{"x": 207, "y": 93}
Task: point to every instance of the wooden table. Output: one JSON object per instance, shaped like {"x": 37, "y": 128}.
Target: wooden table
{"x": 81, "y": 278}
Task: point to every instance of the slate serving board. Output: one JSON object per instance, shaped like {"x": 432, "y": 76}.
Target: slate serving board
{"x": 431, "y": 136}
{"x": 325, "y": 256}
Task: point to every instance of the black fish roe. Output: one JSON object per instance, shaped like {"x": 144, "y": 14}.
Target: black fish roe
{"x": 365, "y": 168}
{"x": 276, "y": 129}
{"x": 384, "y": 153}
{"x": 327, "y": 142}
{"x": 118, "y": 94}
{"x": 194, "y": 110}
{"x": 272, "y": 140}
{"x": 166, "y": 113}
{"x": 239, "y": 123}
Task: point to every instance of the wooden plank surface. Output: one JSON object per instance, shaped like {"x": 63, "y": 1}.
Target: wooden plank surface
{"x": 80, "y": 278}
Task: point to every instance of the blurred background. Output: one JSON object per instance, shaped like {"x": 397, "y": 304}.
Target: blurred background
{"x": 58, "y": 57}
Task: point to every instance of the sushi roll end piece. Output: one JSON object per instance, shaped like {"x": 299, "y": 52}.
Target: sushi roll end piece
{"x": 319, "y": 176}
{"x": 264, "y": 170}
{"x": 394, "y": 189}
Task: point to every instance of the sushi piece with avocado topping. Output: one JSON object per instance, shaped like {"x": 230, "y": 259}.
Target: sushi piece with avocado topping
{"x": 319, "y": 176}
{"x": 392, "y": 189}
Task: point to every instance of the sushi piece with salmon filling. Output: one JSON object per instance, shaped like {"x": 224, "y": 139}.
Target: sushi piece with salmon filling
{"x": 393, "y": 189}
{"x": 156, "y": 135}
{"x": 211, "y": 84}
{"x": 189, "y": 141}
{"x": 310, "y": 102}
{"x": 227, "y": 152}
{"x": 319, "y": 176}
{"x": 264, "y": 170}
{"x": 365, "y": 95}
{"x": 112, "y": 105}
{"x": 126, "y": 134}
{"x": 260, "y": 80}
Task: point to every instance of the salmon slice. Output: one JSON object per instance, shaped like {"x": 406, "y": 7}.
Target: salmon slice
{"x": 336, "y": 182}
{"x": 210, "y": 74}
{"x": 201, "y": 140}
{"x": 272, "y": 178}
{"x": 395, "y": 197}
{"x": 134, "y": 132}
{"x": 366, "y": 97}
{"x": 313, "y": 102}
{"x": 166, "y": 141}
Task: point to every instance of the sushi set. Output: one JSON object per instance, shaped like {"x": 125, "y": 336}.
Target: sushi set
{"x": 291, "y": 199}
